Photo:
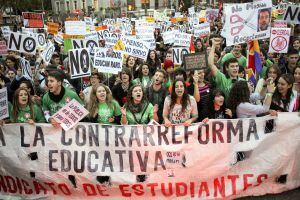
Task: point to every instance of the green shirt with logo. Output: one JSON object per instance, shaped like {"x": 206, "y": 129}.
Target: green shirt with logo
{"x": 105, "y": 112}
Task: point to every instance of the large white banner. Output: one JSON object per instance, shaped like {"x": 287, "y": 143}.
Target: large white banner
{"x": 218, "y": 160}
{"x": 247, "y": 21}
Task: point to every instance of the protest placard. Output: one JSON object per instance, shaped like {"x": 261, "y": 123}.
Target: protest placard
{"x": 91, "y": 44}
{"x": 202, "y": 30}
{"x": 178, "y": 54}
{"x": 119, "y": 46}
{"x": 211, "y": 15}
{"x": 26, "y": 69}
{"x": 247, "y": 21}
{"x": 169, "y": 37}
{"x": 48, "y": 52}
{"x": 182, "y": 39}
{"x": 88, "y": 21}
{"x": 53, "y": 28}
{"x": 292, "y": 14}
{"x": 92, "y": 35}
{"x": 75, "y": 27}
{"x": 108, "y": 61}
{"x": 279, "y": 41}
{"x": 79, "y": 62}
{"x": 280, "y": 24}
{"x": 5, "y": 31}
{"x": 3, "y": 48}
{"x": 33, "y": 20}
{"x": 69, "y": 115}
{"x": 41, "y": 40}
{"x": 135, "y": 47}
{"x": 195, "y": 61}
{"x": 22, "y": 43}
{"x": 3, "y": 104}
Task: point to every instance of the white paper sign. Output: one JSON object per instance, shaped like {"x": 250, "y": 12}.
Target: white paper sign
{"x": 108, "y": 61}
{"x": 22, "y": 43}
{"x": 136, "y": 48}
{"x": 48, "y": 52}
{"x": 280, "y": 24}
{"x": 75, "y": 27}
{"x": 79, "y": 60}
{"x": 91, "y": 44}
{"x": 26, "y": 69}
{"x": 279, "y": 41}
{"x": 182, "y": 39}
{"x": 69, "y": 115}
{"x": 5, "y": 31}
{"x": 292, "y": 14}
{"x": 169, "y": 37}
{"x": 3, "y": 104}
{"x": 202, "y": 30}
{"x": 178, "y": 54}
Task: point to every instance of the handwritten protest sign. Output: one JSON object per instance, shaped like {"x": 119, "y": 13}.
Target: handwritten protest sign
{"x": 202, "y": 30}
{"x": 75, "y": 27}
{"x": 48, "y": 52}
{"x": 169, "y": 37}
{"x": 280, "y": 24}
{"x": 292, "y": 14}
{"x": 79, "y": 60}
{"x": 3, "y": 48}
{"x": 22, "y": 43}
{"x": 69, "y": 115}
{"x": 182, "y": 39}
{"x": 108, "y": 61}
{"x": 279, "y": 41}
{"x": 195, "y": 61}
{"x": 136, "y": 48}
{"x": 33, "y": 20}
{"x": 53, "y": 28}
{"x": 3, "y": 103}
{"x": 247, "y": 21}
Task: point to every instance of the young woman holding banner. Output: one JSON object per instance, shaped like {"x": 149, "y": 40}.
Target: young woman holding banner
{"x": 138, "y": 110}
{"x": 102, "y": 107}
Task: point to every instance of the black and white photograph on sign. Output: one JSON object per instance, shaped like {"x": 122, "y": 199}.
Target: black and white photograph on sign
{"x": 264, "y": 19}
{"x": 79, "y": 61}
{"x": 195, "y": 61}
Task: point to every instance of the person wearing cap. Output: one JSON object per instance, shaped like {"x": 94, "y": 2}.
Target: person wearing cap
{"x": 169, "y": 68}
{"x": 57, "y": 96}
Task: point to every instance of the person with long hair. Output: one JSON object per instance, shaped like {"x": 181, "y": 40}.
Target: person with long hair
{"x": 239, "y": 100}
{"x": 285, "y": 99}
{"x": 179, "y": 107}
{"x": 23, "y": 110}
{"x": 131, "y": 63}
{"x": 218, "y": 108}
{"x": 144, "y": 76}
{"x": 120, "y": 90}
{"x": 153, "y": 62}
{"x": 102, "y": 107}
{"x": 296, "y": 74}
{"x": 138, "y": 110}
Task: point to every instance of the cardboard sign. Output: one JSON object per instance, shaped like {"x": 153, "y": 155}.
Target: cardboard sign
{"x": 195, "y": 61}
{"x": 79, "y": 62}
{"x": 69, "y": 115}
{"x": 108, "y": 61}
{"x": 247, "y": 21}
{"x": 53, "y": 28}
{"x": 202, "y": 30}
{"x": 136, "y": 48}
{"x": 75, "y": 27}
{"x": 279, "y": 41}
{"x": 26, "y": 69}
{"x": 3, "y": 48}
{"x": 182, "y": 39}
{"x": 292, "y": 14}
{"x": 3, "y": 103}
{"x": 48, "y": 52}
{"x": 22, "y": 43}
{"x": 5, "y": 31}
{"x": 33, "y": 20}
{"x": 178, "y": 54}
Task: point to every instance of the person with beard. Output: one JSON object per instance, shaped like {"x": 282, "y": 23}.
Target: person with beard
{"x": 264, "y": 19}
{"x": 157, "y": 92}
{"x": 119, "y": 91}
{"x": 57, "y": 96}
{"x": 102, "y": 107}
{"x": 235, "y": 53}
{"x": 222, "y": 81}
{"x": 24, "y": 110}
{"x": 138, "y": 110}
{"x": 179, "y": 107}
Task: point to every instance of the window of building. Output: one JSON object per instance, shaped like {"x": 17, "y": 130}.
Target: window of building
{"x": 68, "y": 5}
{"x": 75, "y": 5}
{"x": 57, "y": 6}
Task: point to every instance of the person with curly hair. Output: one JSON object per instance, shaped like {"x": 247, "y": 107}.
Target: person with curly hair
{"x": 153, "y": 62}
{"x": 179, "y": 107}
{"x": 102, "y": 107}
{"x": 138, "y": 110}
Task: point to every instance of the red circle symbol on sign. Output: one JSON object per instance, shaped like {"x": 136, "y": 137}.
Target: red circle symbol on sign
{"x": 279, "y": 43}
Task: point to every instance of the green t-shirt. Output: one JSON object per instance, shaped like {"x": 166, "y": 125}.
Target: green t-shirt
{"x": 144, "y": 82}
{"x": 268, "y": 64}
{"x": 241, "y": 60}
{"x": 24, "y": 114}
{"x": 105, "y": 112}
{"x": 51, "y": 107}
{"x": 142, "y": 117}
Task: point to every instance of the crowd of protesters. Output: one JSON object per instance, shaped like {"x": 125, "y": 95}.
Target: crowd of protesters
{"x": 157, "y": 89}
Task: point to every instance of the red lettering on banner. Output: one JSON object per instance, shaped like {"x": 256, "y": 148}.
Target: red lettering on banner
{"x": 192, "y": 188}
{"x": 2, "y": 185}
{"x": 38, "y": 187}
{"x": 138, "y": 189}
{"x": 245, "y": 178}
{"x": 219, "y": 187}
{"x": 91, "y": 192}
{"x": 180, "y": 193}
{"x": 233, "y": 182}
{"x": 203, "y": 187}
{"x": 25, "y": 184}
{"x": 152, "y": 185}
{"x": 101, "y": 189}
{"x": 170, "y": 188}
{"x": 64, "y": 188}
{"x": 51, "y": 186}
{"x": 11, "y": 184}
{"x": 260, "y": 177}
{"x": 124, "y": 191}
